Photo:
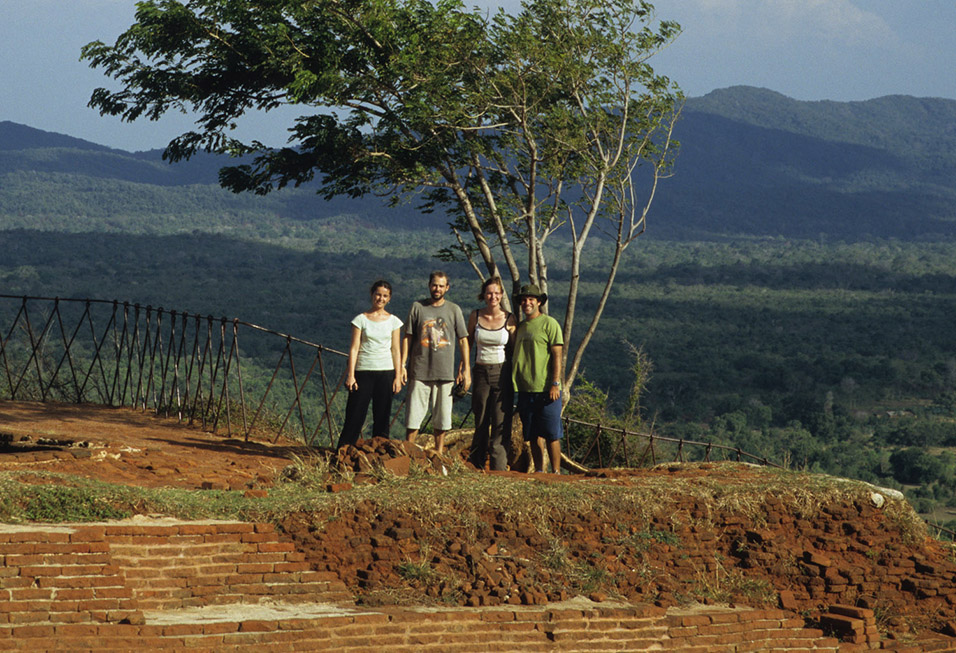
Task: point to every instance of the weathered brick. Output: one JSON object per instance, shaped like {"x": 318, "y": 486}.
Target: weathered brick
{"x": 174, "y": 630}
{"x": 850, "y": 611}
{"x": 258, "y": 625}
{"x": 26, "y": 632}
{"x": 276, "y": 547}
{"x": 235, "y": 527}
{"x": 220, "y": 627}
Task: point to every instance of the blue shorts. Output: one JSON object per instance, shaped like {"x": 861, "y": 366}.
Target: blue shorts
{"x": 540, "y": 417}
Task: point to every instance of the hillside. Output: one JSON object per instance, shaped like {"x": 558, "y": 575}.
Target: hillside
{"x": 54, "y": 182}
{"x": 915, "y": 128}
{"x": 752, "y": 163}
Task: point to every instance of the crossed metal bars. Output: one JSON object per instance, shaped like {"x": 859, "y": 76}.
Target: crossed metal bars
{"x": 175, "y": 363}
{"x": 192, "y": 367}
{"x": 617, "y": 450}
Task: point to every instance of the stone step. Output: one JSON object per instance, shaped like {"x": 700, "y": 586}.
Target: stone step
{"x": 169, "y": 566}
{"x": 58, "y": 574}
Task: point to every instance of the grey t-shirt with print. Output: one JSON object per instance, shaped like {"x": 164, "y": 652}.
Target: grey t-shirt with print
{"x": 435, "y": 331}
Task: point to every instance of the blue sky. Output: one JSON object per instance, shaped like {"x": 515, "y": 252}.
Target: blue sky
{"x": 807, "y": 49}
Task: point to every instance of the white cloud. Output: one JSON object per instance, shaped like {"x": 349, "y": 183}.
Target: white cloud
{"x": 838, "y": 21}
{"x": 774, "y": 23}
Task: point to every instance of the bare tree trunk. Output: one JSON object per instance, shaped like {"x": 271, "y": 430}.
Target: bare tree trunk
{"x": 474, "y": 225}
{"x": 592, "y": 327}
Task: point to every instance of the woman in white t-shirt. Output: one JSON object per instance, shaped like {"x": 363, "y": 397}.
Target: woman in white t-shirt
{"x": 373, "y": 374}
{"x": 491, "y": 334}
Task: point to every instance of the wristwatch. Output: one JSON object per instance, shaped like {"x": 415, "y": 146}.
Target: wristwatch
{"x": 556, "y": 384}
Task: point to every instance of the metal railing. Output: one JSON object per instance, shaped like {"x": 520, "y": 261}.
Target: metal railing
{"x": 223, "y": 374}
{"x": 619, "y": 447}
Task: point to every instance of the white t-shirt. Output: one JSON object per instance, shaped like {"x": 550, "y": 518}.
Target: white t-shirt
{"x": 375, "y": 350}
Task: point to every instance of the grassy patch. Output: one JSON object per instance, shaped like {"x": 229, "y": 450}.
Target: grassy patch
{"x": 46, "y": 497}
{"x": 467, "y": 497}
{"x": 643, "y": 540}
{"x": 53, "y": 502}
{"x": 420, "y": 571}
{"x": 586, "y": 577}
{"x": 725, "y": 585}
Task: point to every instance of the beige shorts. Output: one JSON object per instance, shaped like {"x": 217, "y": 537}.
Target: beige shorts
{"x": 425, "y": 395}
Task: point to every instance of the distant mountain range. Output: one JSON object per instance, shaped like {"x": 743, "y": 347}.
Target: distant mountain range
{"x": 756, "y": 162}
{"x": 752, "y": 163}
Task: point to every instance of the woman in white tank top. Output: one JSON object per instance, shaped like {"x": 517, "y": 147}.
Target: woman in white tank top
{"x": 373, "y": 373}
{"x": 490, "y": 333}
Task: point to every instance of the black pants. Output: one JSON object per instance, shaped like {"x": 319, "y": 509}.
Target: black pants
{"x": 374, "y": 387}
{"x": 492, "y": 397}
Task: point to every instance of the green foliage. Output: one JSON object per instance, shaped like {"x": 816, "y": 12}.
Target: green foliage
{"x": 54, "y": 498}
{"x": 915, "y": 466}
{"x": 586, "y": 576}
{"x": 917, "y": 432}
{"x": 588, "y": 403}
{"x": 618, "y": 441}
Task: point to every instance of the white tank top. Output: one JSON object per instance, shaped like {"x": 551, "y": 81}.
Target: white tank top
{"x": 490, "y": 344}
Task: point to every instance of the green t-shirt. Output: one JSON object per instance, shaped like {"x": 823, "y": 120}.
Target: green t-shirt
{"x": 531, "y": 364}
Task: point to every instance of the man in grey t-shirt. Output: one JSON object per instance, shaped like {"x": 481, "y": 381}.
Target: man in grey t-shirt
{"x": 428, "y": 359}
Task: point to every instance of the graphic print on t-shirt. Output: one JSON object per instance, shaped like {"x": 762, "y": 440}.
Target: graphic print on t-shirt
{"x": 435, "y": 334}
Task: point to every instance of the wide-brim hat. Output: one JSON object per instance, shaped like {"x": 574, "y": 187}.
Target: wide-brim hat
{"x": 532, "y": 290}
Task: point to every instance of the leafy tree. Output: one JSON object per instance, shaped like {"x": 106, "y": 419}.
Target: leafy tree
{"x": 518, "y": 125}
{"x": 915, "y": 466}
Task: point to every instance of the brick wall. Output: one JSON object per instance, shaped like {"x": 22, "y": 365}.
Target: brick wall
{"x": 215, "y": 585}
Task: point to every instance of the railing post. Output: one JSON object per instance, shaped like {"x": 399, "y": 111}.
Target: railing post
{"x": 67, "y": 354}
{"x": 597, "y": 439}
{"x": 325, "y": 397}
{"x": 242, "y": 394}
{"x": 122, "y": 347}
{"x": 224, "y": 391}
{"x": 190, "y": 401}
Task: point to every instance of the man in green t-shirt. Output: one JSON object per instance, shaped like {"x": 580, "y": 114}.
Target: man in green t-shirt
{"x": 536, "y": 371}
